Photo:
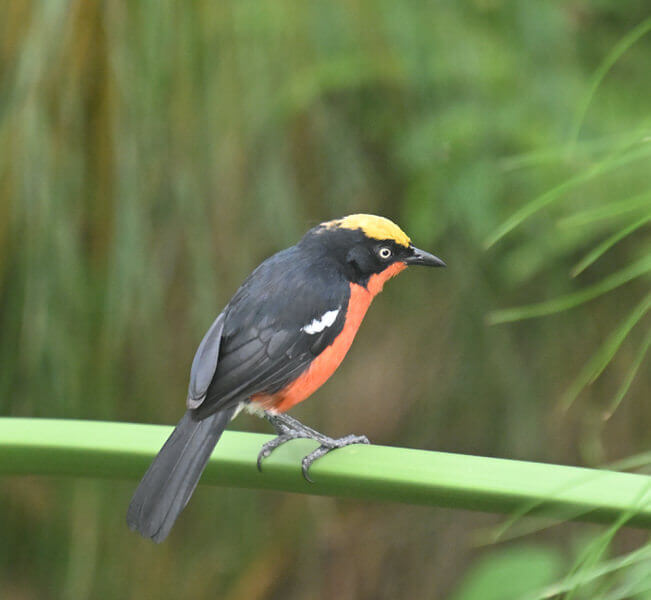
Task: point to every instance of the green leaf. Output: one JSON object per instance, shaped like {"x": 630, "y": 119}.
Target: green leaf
{"x": 604, "y": 355}
{"x": 637, "y": 461}
{"x": 604, "y": 568}
{"x": 630, "y": 376}
{"x": 607, "y": 244}
{"x": 609, "y": 211}
{"x": 591, "y": 556}
{"x": 617, "y": 279}
{"x": 609, "y": 164}
{"x": 509, "y": 574}
{"x": 585, "y": 150}
{"x": 612, "y": 57}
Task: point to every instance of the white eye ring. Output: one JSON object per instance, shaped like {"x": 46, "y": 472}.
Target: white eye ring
{"x": 385, "y": 253}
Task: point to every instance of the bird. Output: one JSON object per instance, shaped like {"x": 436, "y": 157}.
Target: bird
{"x": 280, "y": 337}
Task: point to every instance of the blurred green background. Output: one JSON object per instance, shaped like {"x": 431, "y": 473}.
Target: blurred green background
{"x": 152, "y": 153}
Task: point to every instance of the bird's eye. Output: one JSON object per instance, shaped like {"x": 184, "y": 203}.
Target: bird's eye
{"x": 385, "y": 253}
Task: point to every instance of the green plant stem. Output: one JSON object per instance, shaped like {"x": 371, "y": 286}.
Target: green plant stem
{"x": 124, "y": 450}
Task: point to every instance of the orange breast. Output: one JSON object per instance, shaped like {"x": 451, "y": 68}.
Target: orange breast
{"x": 324, "y": 365}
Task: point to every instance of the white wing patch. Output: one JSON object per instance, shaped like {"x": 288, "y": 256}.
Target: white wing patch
{"x": 320, "y": 323}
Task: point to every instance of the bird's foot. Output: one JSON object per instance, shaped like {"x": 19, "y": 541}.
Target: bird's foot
{"x": 289, "y": 428}
{"x": 271, "y": 445}
{"x": 328, "y": 445}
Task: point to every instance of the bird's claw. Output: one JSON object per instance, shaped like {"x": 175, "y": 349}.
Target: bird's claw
{"x": 327, "y": 445}
{"x": 289, "y": 428}
{"x": 270, "y": 446}
{"x": 324, "y": 448}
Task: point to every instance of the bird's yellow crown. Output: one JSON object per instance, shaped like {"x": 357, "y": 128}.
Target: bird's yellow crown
{"x": 374, "y": 227}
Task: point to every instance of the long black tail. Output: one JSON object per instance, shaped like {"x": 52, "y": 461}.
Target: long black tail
{"x": 171, "y": 478}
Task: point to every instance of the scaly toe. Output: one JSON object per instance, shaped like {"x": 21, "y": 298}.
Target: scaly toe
{"x": 330, "y": 445}
{"x": 351, "y": 439}
{"x": 270, "y": 446}
{"x": 307, "y": 461}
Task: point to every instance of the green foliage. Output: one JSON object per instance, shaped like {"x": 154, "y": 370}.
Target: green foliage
{"x": 510, "y": 574}
{"x": 591, "y": 577}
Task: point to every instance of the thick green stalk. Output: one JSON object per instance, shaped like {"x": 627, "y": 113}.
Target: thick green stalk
{"x": 123, "y": 450}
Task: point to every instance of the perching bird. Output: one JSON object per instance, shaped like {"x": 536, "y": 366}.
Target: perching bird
{"x": 280, "y": 338}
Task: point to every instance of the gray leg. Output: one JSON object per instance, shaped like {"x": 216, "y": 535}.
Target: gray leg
{"x": 289, "y": 428}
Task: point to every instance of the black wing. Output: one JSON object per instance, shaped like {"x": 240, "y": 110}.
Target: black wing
{"x": 204, "y": 363}
{"x": 266, "y": 341}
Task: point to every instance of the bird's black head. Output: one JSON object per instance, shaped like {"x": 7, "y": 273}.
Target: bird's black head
{"x": 366, "y": 246}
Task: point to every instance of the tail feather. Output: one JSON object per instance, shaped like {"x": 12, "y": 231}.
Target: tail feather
{"x": 174, "y": 474}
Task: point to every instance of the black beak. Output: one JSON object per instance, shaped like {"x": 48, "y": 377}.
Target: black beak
{"x": 420, "y": 257}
